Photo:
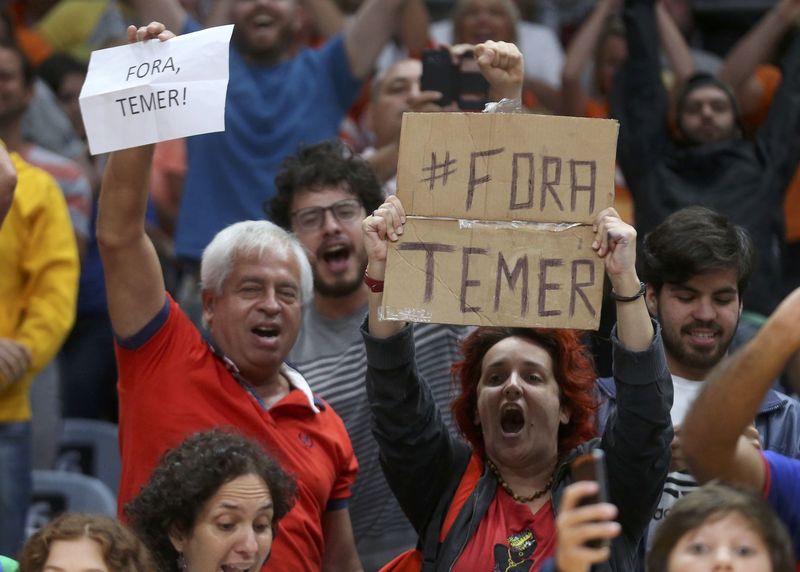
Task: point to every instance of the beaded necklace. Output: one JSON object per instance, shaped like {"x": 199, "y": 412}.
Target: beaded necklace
{"x": 512, "y": 494}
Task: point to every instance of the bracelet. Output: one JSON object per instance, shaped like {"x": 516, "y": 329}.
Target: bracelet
{"x": 636, "y": 296}
{"x": 373, "y": 284}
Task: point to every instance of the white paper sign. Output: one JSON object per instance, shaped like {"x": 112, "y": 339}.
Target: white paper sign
{"x": 153, "y": 91}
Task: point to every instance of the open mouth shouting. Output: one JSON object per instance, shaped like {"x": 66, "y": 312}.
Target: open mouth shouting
{"x": 512, "y": 419}
{"x": 268, "y": 334}
{"x": 335, "y": 257}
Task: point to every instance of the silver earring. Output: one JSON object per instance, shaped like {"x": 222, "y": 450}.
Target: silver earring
{"x": 181, "y": 561}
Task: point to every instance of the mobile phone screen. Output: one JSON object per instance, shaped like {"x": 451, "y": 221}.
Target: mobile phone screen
{"x": 473, "y": 89}
{"x": 438, "y": 74}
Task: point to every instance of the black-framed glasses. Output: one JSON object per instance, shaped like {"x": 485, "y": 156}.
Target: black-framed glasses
{"x": 312, "y": 218}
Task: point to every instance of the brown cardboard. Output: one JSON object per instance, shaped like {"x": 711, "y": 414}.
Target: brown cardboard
{"x": 443, "y": 271}
{"x": 463, "y": 178}
{"x": 500, "y": 166}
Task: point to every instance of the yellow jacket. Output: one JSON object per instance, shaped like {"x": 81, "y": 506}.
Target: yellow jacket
{"x": 38, "y": 278}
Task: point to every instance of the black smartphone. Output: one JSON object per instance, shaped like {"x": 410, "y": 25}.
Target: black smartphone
{"x": 473, "y": 89}
{"x": 439, "y": 74}
{"x": 591, "y": 466}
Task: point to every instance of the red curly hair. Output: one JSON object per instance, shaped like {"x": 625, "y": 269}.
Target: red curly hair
{"x": 573, "y": 370}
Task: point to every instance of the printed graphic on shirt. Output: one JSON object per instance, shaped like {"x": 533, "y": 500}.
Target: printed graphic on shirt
{"x": 514, "y": 557}
{"x": 677, "y": 485}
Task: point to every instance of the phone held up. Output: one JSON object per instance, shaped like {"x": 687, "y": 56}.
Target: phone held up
{"x": 591, "y": 466}
{"x": 460, "y": 82}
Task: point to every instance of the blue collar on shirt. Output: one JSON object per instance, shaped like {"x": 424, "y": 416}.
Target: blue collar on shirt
{"x": 233, "y": 369}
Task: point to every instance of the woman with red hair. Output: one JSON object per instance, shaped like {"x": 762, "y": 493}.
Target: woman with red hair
{"x": 526, "y": 406}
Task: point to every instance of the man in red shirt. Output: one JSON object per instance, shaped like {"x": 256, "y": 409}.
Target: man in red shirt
{"x": 255, "y": 278}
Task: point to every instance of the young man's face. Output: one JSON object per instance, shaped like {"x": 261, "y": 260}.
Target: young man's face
{"x": 332, "y": 238}
{"x": 707, "y": 116}
{"x": 698, "y": 320}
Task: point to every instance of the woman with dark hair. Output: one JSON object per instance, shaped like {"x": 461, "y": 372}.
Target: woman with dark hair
{"x": 212, "y": 503}
{"x": 721, "y": 524}
{"x": 76, "y": 542}
{"x": 526, "y": 406}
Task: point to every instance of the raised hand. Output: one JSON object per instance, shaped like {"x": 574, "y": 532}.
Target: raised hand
{"x": 576, "y": 525}
{"x": 502, "y": 65}
{"x": 615, "y": 242}
{"x": 383, "y": 225}
{"x": 153, "y": 30}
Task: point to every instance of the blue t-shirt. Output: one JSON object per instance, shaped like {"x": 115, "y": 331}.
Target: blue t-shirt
{"x": 269, "y": 112}
{"x": 784, "y": 492}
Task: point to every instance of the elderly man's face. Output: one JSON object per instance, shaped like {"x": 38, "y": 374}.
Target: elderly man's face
{"x": 256, "y": 317}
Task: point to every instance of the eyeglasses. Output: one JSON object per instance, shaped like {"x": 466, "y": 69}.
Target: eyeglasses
{"x": 312, "y": 218}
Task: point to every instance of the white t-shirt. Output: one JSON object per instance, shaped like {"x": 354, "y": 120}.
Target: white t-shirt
{"x": 686, "y": 391}
{"x": 678, "y": 483}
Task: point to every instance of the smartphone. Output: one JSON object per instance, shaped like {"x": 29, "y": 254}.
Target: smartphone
{"x": 473, "y": 89}
{"x": 439, "y": 74}
{"x": 591, "y": 466}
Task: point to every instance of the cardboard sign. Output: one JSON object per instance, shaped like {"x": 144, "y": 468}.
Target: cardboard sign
{"x": 154, "y": 91}
{"x": 500, "y": 210}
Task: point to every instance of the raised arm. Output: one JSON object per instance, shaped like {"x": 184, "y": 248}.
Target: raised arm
{"x": 712, "y": 442}
{"x": 639, "y": 99}
{"x": 134, "y": 281}
{"x": 168, "y": 12}
{"x": 678, "y": 53}
{"x": 755, "y": 48}
{"x": 326, "y": 15}
{"x": 414, "y": 23}
{"x": 615, "y": 242}
{"x": 580, "y": 51}
{"x": 778, "y": 138}
{"x": 367, "y": 33}
{"x": 384, "y": 225}
{"x": 637, "y": 438}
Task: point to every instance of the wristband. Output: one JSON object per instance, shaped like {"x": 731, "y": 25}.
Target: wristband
{"x": 636, "y": 296}
{"x": 373, "y": 284}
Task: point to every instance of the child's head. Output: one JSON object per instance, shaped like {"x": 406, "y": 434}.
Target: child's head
{"x": 720, "y": 523}
{"x": 85, "y": 542}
